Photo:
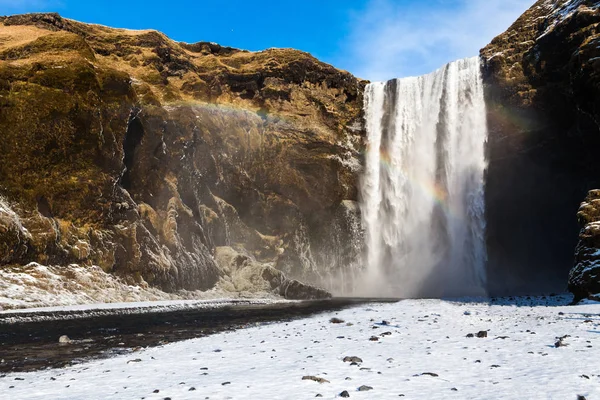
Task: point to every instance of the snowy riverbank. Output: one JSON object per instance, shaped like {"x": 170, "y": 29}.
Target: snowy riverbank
{"x": 36, "y": 286}
{"x": 422, "y": 351}
{"x": 59, "y": 313}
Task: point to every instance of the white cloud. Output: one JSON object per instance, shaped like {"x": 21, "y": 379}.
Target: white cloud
{"x": 394, "y": 39}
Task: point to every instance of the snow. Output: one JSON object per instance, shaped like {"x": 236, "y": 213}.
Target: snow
{"x": 349, "y": 161}
{"x": 563, "y": 12}
{"x": 594, "y": 265}
{"x": 12, "y": 216}
{"x": 34, "y": 285}
{"x": 93, "y": 310}
{"x": 517, "y": 359}
{"x": 497, "y": 54}
{"x": 157, "y": 305}
{"x": 596, "y": 253}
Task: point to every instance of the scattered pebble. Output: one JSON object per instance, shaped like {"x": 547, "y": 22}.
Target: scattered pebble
{"x": 64, "y": 339}
{"x": 314, "y": 378}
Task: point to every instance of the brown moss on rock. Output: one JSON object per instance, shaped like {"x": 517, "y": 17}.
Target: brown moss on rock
{"x": 130, "y": 151}
{"x": 48, "y": 44}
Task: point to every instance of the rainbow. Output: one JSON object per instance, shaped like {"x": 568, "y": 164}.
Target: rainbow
{"x": 431, "y": 189}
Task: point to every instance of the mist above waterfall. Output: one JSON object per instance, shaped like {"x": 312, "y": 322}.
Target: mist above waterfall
{"x": 423, "y": 186}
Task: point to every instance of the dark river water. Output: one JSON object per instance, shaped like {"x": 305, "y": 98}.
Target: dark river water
{"x": 31, "y": 344}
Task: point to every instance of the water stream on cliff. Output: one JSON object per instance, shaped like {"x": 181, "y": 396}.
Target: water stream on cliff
{"x": 422, "y": 189}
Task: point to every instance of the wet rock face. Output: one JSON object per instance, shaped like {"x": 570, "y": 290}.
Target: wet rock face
{"x": 542, "y": 81}
{"x": 141, "y": 155}
{"x": 584, "y": 278}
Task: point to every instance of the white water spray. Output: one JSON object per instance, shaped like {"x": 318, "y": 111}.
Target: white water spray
{"x": 423, "y": 185}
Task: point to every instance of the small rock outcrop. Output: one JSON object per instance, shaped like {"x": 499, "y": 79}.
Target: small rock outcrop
{"x": 584, "y": 278}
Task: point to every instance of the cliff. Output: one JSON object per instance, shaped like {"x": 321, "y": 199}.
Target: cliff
{"x": 542, "y": 81}
{"x": 191, "y": 167}
{"x": 140, "y": 155}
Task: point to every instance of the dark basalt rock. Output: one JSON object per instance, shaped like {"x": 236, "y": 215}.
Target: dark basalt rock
{"x": 584, "y": 278}
{"x": 295, "y": 290}
{"x": 542, "y": 87}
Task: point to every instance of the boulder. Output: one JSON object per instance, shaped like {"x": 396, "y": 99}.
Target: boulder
{"x": 584, "y": 278}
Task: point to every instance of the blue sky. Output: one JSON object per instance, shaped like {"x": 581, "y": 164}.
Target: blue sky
{"x": 373, "y": 39}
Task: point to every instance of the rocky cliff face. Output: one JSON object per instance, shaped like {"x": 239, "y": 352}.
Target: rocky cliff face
{"x": 584, "y": 278}
{"x": 543, "y": 96}
{"x": 129, "y": 151}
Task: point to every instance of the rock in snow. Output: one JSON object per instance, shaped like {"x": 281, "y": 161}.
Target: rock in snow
{"x": 64, "y": 339}
{"x": 314, "y": 378}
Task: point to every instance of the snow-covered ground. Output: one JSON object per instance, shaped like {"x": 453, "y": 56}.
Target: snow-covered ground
{"x": 422, "y": 352}
{"x": 36, "y": 286}
{"x": 58, "y": 313}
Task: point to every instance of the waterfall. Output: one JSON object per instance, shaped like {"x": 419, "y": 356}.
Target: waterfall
{"x": 422, "y": 189}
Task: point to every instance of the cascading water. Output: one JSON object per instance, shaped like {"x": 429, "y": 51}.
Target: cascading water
{"x": 423, "y": 186}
